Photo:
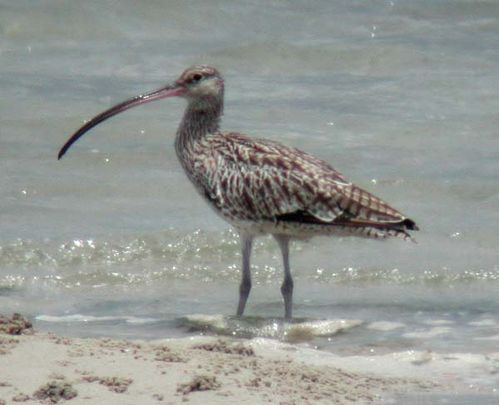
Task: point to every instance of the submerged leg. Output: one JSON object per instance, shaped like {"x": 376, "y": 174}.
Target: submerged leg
{"x": 245, "y": 286}
{"x": 287, "y": 285}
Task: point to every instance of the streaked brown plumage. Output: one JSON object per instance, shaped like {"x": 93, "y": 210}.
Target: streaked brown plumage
{"x": 260, "y": 186}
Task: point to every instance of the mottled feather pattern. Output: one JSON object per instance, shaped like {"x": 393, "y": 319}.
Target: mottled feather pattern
{"x": 260, "y": 186}
{"x": 259, "y": 181}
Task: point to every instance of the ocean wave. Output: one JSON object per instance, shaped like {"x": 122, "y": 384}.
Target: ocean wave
{"x": 169, "y": 245}
{"x": 198, "y": 255}
{"x": 92, "y": 318}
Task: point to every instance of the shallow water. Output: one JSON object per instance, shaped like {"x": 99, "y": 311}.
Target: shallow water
{"x": 401, "y": 96}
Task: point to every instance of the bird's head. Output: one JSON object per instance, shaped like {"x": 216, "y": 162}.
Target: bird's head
{"x": 201, "y": 85}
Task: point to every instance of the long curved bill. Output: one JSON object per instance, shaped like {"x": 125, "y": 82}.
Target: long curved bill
{"x": 170, "y": 90}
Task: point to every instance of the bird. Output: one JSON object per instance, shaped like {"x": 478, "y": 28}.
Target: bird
{"x": 261, "y": 186}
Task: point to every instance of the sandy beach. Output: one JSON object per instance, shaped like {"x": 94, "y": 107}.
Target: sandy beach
{"x": 44, "y": 367}
{"x": 39, "y": 367}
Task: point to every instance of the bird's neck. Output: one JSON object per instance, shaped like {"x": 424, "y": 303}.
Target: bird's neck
{"x": 201, "y": 117}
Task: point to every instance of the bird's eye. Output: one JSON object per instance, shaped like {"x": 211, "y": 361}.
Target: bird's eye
{"x": 196, "y": 78}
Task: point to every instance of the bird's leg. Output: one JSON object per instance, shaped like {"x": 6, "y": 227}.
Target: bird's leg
{"x": 245, "y": 286}
{"x": 287, "y": 285}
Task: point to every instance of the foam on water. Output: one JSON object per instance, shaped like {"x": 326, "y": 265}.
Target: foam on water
{"x": 90, "y": 318}
{"x": 297, "y": 331}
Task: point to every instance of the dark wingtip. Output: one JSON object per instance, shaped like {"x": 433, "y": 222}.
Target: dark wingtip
{"x": 410, "y": 224}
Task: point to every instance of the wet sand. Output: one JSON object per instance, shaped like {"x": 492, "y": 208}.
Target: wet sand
{"x": 42, "y": 367}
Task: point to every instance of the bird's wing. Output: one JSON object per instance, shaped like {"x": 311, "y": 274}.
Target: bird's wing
{"x": 259, "y": 179}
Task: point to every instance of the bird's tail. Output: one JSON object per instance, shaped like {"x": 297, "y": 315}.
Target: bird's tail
{"x": 380, "y": 230}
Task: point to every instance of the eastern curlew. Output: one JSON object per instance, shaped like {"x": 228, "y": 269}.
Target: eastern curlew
{"x": 260, "y": 186}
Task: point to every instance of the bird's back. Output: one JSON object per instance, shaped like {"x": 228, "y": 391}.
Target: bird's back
{"x": 270, "y": 187}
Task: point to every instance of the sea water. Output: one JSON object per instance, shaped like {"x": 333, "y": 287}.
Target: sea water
{"x": 400, "y": 96}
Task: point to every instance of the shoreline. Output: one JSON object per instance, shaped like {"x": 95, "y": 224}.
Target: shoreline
{"x": 40, "y": 367}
